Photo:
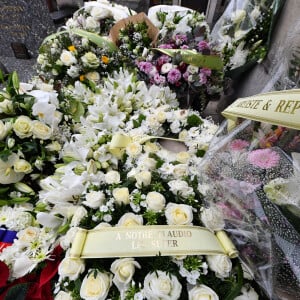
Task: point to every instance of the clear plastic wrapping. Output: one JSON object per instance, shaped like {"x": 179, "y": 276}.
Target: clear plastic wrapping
{"x": 243, "y": 32}
{"x": 252, "y": 176}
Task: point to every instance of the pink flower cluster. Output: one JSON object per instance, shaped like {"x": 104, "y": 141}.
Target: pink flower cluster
{"x": 164, "y": 70}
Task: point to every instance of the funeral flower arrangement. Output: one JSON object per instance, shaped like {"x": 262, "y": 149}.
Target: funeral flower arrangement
{"x": 253, "y": 179}
{"x": 169, "y": 65}
{"x": 81, "y": 50}
{"x": 95, "y": 185}
{"x": 86, "y": 49}
{"x": 243, "y": 33}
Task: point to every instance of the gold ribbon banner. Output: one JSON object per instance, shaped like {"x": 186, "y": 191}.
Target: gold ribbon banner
{"x": 278, "y": 108}
{"x": 150, "y": 240}
{"x": 120, "y": 141}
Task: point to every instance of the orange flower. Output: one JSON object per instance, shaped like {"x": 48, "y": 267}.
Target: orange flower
{"x": 105, "y": 59}
{"x": 71, "y": 48}
{"x": 81, "y": 77}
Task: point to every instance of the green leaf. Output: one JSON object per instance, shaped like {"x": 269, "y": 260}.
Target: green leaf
{"x": 18, "y": 200}
{"x": 191, "y": 57}
{"x": 3, "y": 202}
{"x": 3, "y": 190}
{"x": 52, "y": 36}
{"x": 76, "y": 109}
{"x": 100, "y": 41}
{"x": 15, "y": 81}
{"x": 17, "y": 292}
{"x": 236, "y": 287}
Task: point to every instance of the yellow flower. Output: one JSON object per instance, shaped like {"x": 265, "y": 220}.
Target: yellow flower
{"x": 81, "y": 77}
{"x": 105, "y": 59}
{"x": 72, "y": 48}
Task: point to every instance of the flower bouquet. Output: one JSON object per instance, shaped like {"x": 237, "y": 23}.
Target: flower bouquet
{"x": 252, "y": 174}
{"x": 243, "y": 33}
{"x": 115, "y": 172}
{"x": 183, "y": 58}
{"x": 81, "y": 50}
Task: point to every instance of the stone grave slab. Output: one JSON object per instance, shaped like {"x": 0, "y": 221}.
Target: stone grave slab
{"x": 25, "y": 23}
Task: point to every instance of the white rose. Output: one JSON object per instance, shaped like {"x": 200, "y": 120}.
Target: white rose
{"x": 79, "y": 214}
{"x": 180, "y": 187}
{"x": 67, "y": 58}
{"x": 179, "y": 214}
{"x": 202, "y": 292}
{"x": 155, "y": 201}
{"x": 95, "y": 285}
{"x": 6, "y": 106}
{"x": 112, "y": 177}
{"x": 163, "y": 286}
{"x": 4, "y": 129}
{"x": 28, "y": 235}
{"x": 238, "y": 16}
{"x": 22, "y": 127}
{"x": 93, "y": 76}
{"x": 134, "y": 149}
{"x": 22, "y": 166}
{"x": 130, "y": 219}
{"x": 143, "y": 179}
{"x": 182, "y": 157}
{"x": 71, "y": 268}
{"x": 40, "y": 130}
{"x": 151, "y": 147}
{"x": 90, "y": 60}
{"x": 100, "y": 13}
{"x": 248, "y": 293}
{"x": 91, "y": 23}
{"x": 212, "y": 218}
{"x": 180, "y": 170}
{"x": 161, "y": 116}
{"x": 63, "y": 296}
{"x": 166, "y": 68}
{"x": 123, "y": 270}
{"x": 94, "y": 199}
{"x": 220, "y": 264}
{"x": 121, "y": 195}
{"x": 73, "y": 71}
{"x": 149, "y": 163}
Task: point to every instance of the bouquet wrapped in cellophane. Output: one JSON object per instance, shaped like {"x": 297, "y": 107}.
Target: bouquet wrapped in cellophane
{"x": 251, "y": 174}
{"x": 244, "y": 31}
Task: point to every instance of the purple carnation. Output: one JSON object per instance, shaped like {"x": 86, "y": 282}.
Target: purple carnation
{"x": 205, "y": 71}
{"x": 158, "y": 79}
{"x": 180, "y": 39}
{"x": 186, "y": 75}
{"x": 184, "y": 47}
{"x": 174, "y": 76}
{"x": 163, "y": 59}
{"x": 202, "y": 45}
{"x": 145, "y": 66}
{"x": 202, "y": 78}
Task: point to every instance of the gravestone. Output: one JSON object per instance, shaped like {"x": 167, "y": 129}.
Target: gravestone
{"x": 23, "y": 26}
